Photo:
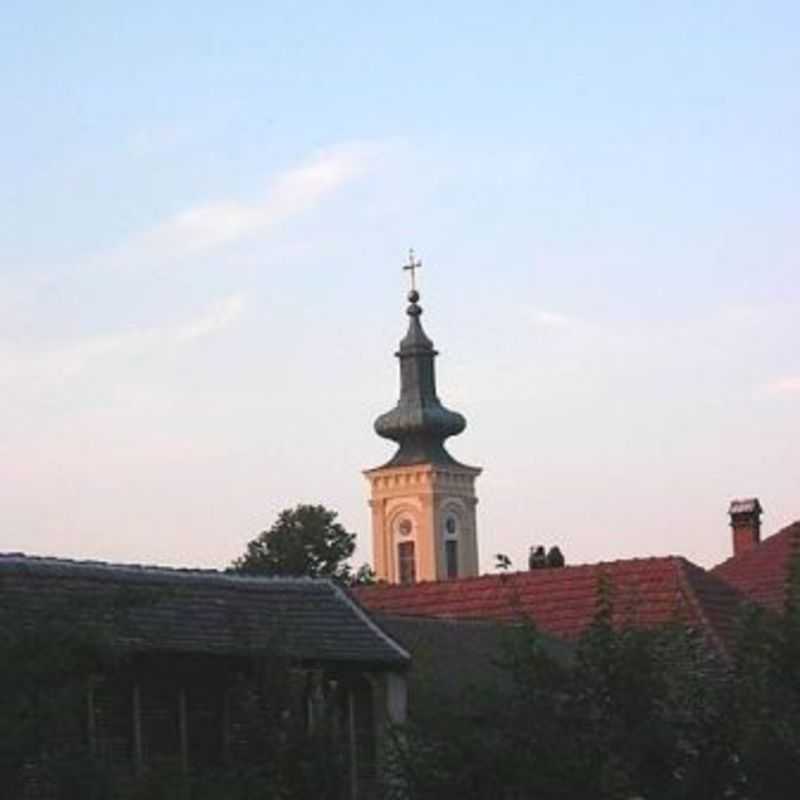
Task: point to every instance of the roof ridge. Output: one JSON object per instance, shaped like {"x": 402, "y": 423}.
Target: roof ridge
{"x": 371, "y": 623}
{"x": 699, "y": 574}
{"x": 710, "y": 577}
{"x": 453, "y": 620}
{"x": 691, "y": 596}
{"x": 155, "y": 570}
{"x": 506, "y": 576}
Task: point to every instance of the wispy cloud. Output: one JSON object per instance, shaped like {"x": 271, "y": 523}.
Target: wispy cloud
{"x": 217, "y": 318}
{"x": 288, "y": 194}
{"x": 789, "y": 385}
{"x": 69, "y": 359}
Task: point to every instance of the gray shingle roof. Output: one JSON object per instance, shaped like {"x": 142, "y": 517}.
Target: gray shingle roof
{"x": 456, "y": 658}
{"x": 202, "y": 611}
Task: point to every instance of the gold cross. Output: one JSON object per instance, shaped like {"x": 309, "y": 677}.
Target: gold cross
{"x": 412, "y": 266}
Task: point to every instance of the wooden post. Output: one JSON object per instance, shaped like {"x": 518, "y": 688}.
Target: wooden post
{"x": 311, "y": 715}
{"x": 351, "y": 724}
{"x": 138, "y": 752}
{"x": 183, "y": 728}
{"x": 91, "y": 722}
{"x": 227, "y": 754}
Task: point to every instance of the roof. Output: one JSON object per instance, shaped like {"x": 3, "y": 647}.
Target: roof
{"x": 762, "y": 572}
{"x": 452, "y": 657}
{"x": 564, "y": 601}
{"x": 202, "y": 611}
{"x": 419, "y": 423}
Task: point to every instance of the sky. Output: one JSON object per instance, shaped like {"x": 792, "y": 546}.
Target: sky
{"x": 204, "y": 211}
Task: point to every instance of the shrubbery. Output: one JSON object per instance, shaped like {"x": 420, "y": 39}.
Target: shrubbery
{"x": 653, "y": 714}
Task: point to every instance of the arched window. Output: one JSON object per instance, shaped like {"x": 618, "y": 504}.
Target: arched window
{"x": 406, "y": 562}
{"x": 451, "y": 546}
{"x": 451, "y": 558}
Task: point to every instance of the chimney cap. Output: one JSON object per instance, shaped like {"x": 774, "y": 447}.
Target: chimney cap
{"x": 746, "y": 505}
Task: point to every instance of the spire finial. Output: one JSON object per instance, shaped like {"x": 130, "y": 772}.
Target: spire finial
{"x": 413, "y": 265}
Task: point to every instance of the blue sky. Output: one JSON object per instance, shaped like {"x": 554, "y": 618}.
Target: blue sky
{"x": 204, "y": 213}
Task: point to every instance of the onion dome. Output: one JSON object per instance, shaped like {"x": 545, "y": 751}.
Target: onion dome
{"x": 419, "y": 423}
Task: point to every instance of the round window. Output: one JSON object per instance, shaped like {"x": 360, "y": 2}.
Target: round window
{"x": 404, "y": 527}
{"x": 450, "y": 525}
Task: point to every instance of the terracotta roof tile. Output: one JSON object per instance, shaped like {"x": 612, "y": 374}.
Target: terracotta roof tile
{"x": 563, "y": 602}
{"x": 761, "y": 573}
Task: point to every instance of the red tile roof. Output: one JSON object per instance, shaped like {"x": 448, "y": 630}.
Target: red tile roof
{"x": 761, "y": 573}
{"x": 563, "y": 602}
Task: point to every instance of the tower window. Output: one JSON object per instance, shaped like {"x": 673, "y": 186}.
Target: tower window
{"x": 450, "y": 525}
{"x": 406, "y": 562}
{"x": 451, "y": 558}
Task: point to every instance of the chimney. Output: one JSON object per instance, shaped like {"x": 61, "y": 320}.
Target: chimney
{"x": 746, "y": 524}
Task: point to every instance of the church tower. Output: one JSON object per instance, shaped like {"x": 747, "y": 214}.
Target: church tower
{"x": 423, "y": 500}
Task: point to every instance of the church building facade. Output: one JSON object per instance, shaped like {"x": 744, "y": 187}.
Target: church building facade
{"x": 423, "y": 500}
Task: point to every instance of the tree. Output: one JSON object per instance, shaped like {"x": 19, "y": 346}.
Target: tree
{"x": 48, "y": 654}
{"x": 304, "y": 540}
{"x": 633, "y": 713}
{"x": 555, "y": 558}
{"x": 363, "y": 576}
{"x": 766, "y": 702}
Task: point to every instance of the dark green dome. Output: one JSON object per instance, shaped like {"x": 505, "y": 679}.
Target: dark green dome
{"x": 419, "y": 423}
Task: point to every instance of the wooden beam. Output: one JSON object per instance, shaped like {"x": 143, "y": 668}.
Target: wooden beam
{"x": 91, "y": 720}
{"x": 351, "y": 725}
{"x": 183, "y": 728}
{"x": 227, "y": 754}
{"x": 138, "y": 751}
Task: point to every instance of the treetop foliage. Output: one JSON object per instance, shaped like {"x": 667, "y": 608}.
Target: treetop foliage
{"x": 539, "y": 559}
{"x": 304, "y": 541}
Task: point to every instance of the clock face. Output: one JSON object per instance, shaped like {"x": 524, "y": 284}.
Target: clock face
{"x": 404, "y": 527}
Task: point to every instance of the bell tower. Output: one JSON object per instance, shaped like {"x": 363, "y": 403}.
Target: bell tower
{"x": 422, "y": 500}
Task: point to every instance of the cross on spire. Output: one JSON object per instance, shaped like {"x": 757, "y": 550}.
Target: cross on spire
{"x": 412, "y": 266}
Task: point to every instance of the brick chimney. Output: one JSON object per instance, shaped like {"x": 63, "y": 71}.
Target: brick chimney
{"x": 746, "y": 524}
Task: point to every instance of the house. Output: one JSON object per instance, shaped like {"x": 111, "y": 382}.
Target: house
{"x": 759, "y": 569}
{"x": 644, "y": 592}
{"x": 563, "y": 602}
{"x": 203, "y": 660}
